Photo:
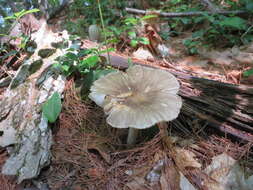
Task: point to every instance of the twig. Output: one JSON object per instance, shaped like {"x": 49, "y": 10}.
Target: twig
{"x": 245, "y": 33}
{"x": 185, "y": 14}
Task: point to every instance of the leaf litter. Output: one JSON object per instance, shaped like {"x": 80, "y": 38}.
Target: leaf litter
{"x": 87, "y": 154}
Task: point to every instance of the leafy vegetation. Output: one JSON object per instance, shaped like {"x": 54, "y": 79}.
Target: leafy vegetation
{"x": 52, "y": 107}
{"x": 231, "y": 30}
{"x": 87, "y": 63}
{"x": 248, "y": 73}
{"x": 86, "y": 13}
{"x": 18, "y": 15}
{"x": 127, "y": 31}
{"x": 209, "y": 29}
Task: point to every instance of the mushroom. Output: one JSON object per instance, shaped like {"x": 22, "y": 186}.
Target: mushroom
{"x": 138, "y": 98}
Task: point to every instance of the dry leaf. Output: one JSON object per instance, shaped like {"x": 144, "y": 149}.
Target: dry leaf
{"x": 142, "y": 54}
{"x": 138, "y": 183}
{"x": 185, "y": 184}
{"x": 226, "y": 174}
{"x": 170, "y": 177}
{"x": 185, "y": 158}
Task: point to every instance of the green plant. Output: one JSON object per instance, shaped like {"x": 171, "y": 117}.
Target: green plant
{"x": 209, "y": 29}
{"x": 52, "y": 107}
{"x": 127, "y": 30}
{"x": 85, "y": 63}
{"x": 131, "y": 24}
{"x": 81, "y": 61}
{"x": 192, "y": 45}
{"x": 232, "y": 30}
{"x": 83, "y": 13}
{"x": 248, "y": 73}
{"x": 18, "y": 15}
{"x": 135, "y": 40}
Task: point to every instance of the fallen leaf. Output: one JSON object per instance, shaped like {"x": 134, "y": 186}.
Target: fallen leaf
{"x": 185, "y": 158}
{"x": 226, "y": 174}
{"x": 185, "y": 184}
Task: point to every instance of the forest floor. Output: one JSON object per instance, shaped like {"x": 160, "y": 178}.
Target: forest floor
{"x": 89, "y": 154}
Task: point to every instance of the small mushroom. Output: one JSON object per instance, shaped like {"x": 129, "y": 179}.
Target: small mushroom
{"x": 138, "y": 98}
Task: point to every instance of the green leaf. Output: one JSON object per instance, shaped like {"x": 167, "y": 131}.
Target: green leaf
{"x": 106, "y": 50}
{"x": 84, "y": 52}
{"x": 199, "y": 19}
{"x": 9, "y": 17}
{"x": 185, "y": 20}
{"x": 71, "y": 56}
{"x": 19, "y": 14}
{"x": 132, "y": 35}
{"x": 116, "y": 31}
{"x": 144, "y": 40}
{"x": 54, "y": 2}
{"x": 11, "y": 53}
{"x": 148, "y": 17}
{"x": 210, "y": 18}
{"x": 129, "y": 62}
{"x": 234, "y": 22}
{"x": 131, "y": 21}
{"x": 89, "y": 79}
{"x": 101, "y": 73}
{"x": 198, "y": 34}
{"x": 23, "y": 12}
{"x": 248, "y": 73}
{"x": 187, "y": 42}
{"x": 52, "y": 107}
{"x": 65, "y": 68}
{"x": 133, "y": 43}
{"x": 90, "y": 62}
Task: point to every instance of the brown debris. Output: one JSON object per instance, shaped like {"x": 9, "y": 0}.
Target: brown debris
{"x": 6, "y": 183}
{"x": 83, "y": 153}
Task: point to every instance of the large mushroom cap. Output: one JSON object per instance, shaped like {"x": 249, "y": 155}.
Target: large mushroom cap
{"x": 139, "y": 98}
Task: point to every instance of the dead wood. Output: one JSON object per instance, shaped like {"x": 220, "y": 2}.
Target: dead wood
{"x": 226, "y": 107}
{"x": 223, "y": 106}
{"x": 184, "y": 14}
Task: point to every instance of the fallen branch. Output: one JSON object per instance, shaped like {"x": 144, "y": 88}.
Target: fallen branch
{"x": 185, "y": 14}
{"x": 225, "y": 107}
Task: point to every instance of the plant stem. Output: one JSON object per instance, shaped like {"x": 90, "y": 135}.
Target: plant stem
{"x": 103, "y": 30}
{"x": 132, "y": 135}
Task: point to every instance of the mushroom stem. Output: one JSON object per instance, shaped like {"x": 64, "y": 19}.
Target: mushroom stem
{"x": 132, "y": 135}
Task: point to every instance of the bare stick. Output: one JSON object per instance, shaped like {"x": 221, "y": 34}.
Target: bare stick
{"x": 196, "y": 13}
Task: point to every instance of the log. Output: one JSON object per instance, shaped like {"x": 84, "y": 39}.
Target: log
{"x": 223, "y": 106}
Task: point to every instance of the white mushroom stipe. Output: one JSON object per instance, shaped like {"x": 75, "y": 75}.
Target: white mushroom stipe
{"x": 137, "y": 98}
{"x": 132, "y": 136}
